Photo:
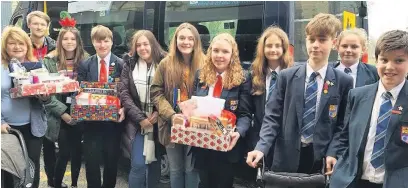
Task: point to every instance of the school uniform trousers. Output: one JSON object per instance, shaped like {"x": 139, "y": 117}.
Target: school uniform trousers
{"x": 101, "y": 138}
{"x": 216, "y": 167}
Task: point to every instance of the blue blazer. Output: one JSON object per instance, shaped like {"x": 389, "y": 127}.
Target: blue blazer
{"x": 238, "y": 101}
{"x": 366, "y": 74}
{"x": 353, "y": 140}
{"x": 284, "y": 112}
{"x": 88, "y": 69}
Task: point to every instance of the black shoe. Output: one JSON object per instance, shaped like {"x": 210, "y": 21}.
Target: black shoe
{"x": 63, "y": 185}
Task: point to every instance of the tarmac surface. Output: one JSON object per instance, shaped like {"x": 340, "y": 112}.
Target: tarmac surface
{"x": 122, "y": 178}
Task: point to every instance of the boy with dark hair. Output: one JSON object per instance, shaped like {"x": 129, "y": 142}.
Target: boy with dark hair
{"x": 374, "y": 143}
{"x": 306, "y": 110}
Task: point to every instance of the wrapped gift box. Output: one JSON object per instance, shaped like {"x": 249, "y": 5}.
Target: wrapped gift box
{"x": 187, "y": 133}
{"x": 102, "y": 88}
{"x": 94, "y": 112}
{"x": 44, "y": 88}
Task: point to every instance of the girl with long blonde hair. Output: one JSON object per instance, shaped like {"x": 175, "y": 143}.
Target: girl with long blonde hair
{"x": 176, "y": 72}
{"x": 223, "y": 77}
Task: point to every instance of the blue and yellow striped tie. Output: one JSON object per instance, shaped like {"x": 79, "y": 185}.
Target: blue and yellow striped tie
{"x": 309, "y": 109}
{"x": 272, "y": 83}
{"x": 377, "y": 157}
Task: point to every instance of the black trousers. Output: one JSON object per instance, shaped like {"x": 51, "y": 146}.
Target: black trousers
{"x": 49, "y": 160}
{"x": 307, "y": 164}
{"x": 101, "y": 146}
{"x": 70, "y": 148}
{"x": 218, "y": 172}
{"x": 33, "y": 145}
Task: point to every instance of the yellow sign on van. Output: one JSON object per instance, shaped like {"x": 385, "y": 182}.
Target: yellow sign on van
{"x": 349, "y": 20}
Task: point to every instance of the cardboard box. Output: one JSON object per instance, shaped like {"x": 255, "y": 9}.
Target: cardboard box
{"x": 183, "y": 133}
{"x": 44, "y": 88}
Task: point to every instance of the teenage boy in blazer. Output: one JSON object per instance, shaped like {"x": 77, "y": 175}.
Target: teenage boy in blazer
{"x": 374, "y": 143}
{"x": 306, "y": 109}
{"x": 101, "y": 139}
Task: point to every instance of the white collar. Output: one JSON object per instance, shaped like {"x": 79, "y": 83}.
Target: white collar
{"x": 107, "y": 58}
{"x": 277, "y": 70}
{"x": 394, "y": 91}
{"x": 352, "y": 67}
{"x": 222, "y": 74}
{"x": 322, "y": 71}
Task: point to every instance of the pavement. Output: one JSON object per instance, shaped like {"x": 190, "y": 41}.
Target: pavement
{"x": 122, "y": 178}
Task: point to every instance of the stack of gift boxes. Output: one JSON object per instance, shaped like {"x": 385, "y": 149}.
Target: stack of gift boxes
{"x": 39, "y": 82}
{"x": 96, "y": 101}
{"x": 198, "y": 128}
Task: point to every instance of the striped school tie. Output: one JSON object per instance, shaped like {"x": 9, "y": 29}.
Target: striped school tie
{"x": 272, "y": 83}
{"x": 377, "y": 157}
{"x": 347, "y": 70}
{"x": 309, "y": 109}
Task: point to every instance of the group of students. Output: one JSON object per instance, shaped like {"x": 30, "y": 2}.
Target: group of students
{"x": 297, "y": 116}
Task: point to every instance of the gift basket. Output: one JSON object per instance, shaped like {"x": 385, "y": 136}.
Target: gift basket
{"x": 38, "y": 81}
{"x": 203, "y": 123}
{"x": 96, "y": 101}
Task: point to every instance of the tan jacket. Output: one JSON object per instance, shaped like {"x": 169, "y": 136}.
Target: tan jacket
{"x": 163, "y": 103}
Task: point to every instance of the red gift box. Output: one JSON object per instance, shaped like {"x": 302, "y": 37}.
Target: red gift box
{"x": 44, "y": 88}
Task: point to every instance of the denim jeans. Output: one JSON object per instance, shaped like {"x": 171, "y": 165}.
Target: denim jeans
{"x": 182, "y": 172}
{"x": 142, "y": 175}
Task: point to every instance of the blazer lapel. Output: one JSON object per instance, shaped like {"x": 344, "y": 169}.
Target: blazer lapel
{"x": 402, "y": 101}
{"x": 361, "y": 75}
{"x": 299, "y": 90}
{"x": 93, "y": 69}
{"x": 367, "y": 103}
{"x": 224, "y": 93}
{"x": 324, "y": 97}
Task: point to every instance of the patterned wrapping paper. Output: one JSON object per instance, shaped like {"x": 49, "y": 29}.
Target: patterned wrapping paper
{"x": 100, "y": 88}
{"x": 202, "y": 138}
{"x": 44, "y": 88}
{"x": 96, "y": 112}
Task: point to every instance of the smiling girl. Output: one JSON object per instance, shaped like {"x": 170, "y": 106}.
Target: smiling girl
{"x": 223, "y": 77}
{"x": 62, "y": 128}
{"x": 176, "y": 71}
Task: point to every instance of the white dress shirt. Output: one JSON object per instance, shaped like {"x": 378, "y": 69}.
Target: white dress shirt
{"x": 211, "y": 87}
{"x": 268, "y": 80}
{"x": 369, "y": 172}
{"x": 107, "y": 60}
{"x": 320, "y": 81}
{"x": 353, "y": 73}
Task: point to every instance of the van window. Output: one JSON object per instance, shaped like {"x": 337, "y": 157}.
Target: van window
{"x": 306, "y": 10}
{"x": 123, "y": 18}
{"x": 242, "y": 19}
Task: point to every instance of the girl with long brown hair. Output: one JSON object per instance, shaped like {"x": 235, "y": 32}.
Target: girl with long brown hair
{"x": 272, "y": 56}
{"x": 223, "y": 77}
{"x": 65, "y": 60}
{"x": 140, "y": 140}
{"x": 176, "y": 71}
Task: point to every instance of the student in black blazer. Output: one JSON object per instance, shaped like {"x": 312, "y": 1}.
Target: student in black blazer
{"x": 374, "y": 142}
{"x": 351, "y": 44}
{"x": 306, "y": 109}
{"x": 223, "y": 77}
{"x": 272, "y": 56}
{"x": 101, "y": 139}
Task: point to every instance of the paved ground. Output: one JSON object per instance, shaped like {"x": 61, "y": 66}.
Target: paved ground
{"x": 121, "y": 179}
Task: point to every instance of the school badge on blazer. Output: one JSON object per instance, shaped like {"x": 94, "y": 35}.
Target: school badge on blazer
{"x": 233, "y": 104}
{"x": 333, "y": 111}
{"x": 404, "y": 133}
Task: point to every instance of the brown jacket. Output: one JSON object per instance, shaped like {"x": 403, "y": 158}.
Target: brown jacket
{"x": 162, "y": 102}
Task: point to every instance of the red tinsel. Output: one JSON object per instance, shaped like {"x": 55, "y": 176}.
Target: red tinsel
{"x": 67, "y": 22}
